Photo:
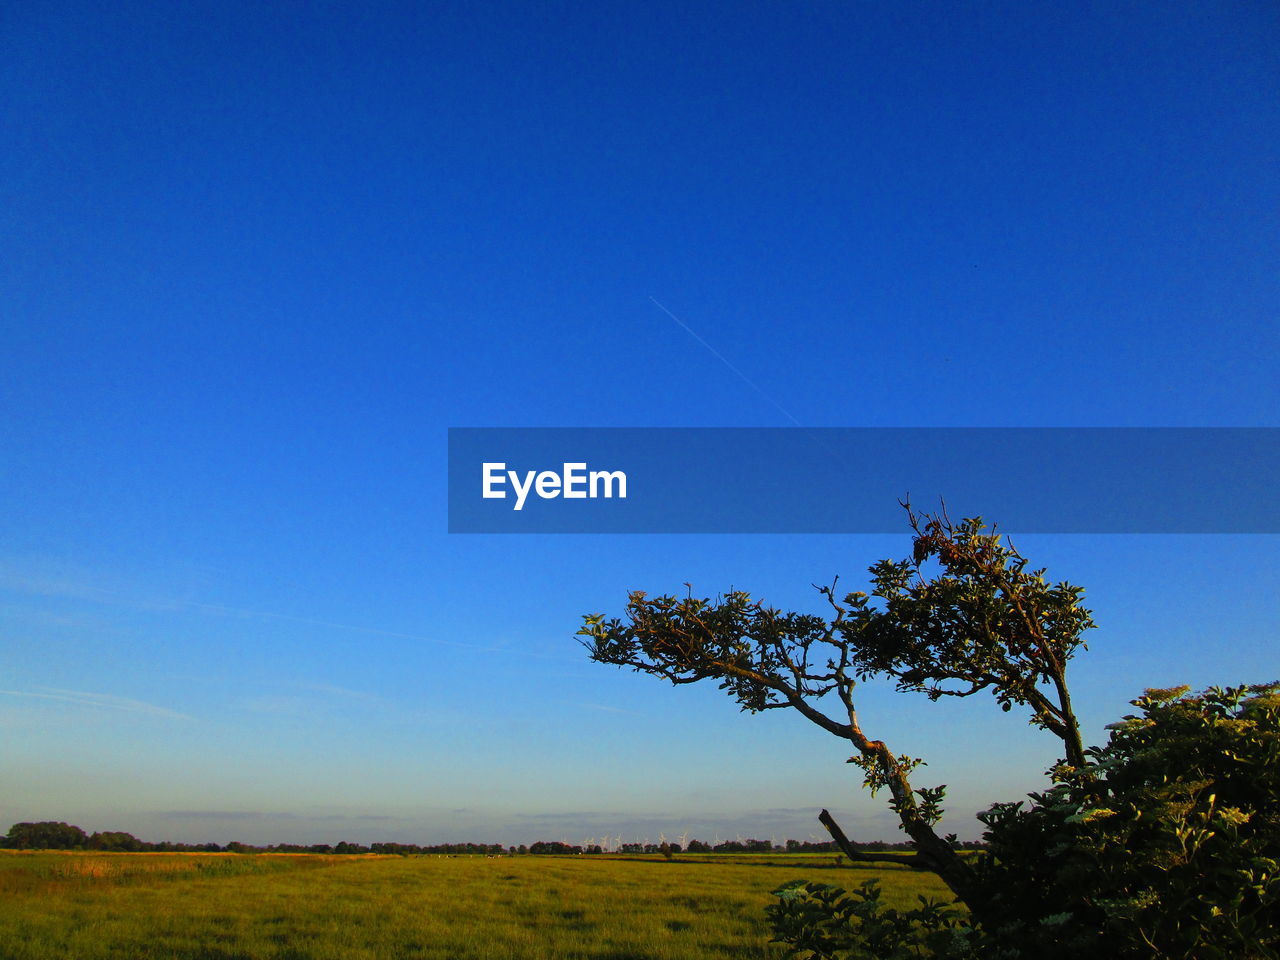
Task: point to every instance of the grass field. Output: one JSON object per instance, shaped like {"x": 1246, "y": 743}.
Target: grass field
{"x": 299, "y": 907}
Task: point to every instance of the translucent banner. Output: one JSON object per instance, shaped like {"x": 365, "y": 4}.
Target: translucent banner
{"x": 850, "y": 480}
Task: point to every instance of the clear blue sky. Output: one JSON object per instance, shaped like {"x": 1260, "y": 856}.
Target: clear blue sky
{"x": 256, "y": 259}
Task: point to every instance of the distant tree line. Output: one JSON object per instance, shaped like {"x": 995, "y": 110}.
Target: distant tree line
{"x": 50, "y": 835}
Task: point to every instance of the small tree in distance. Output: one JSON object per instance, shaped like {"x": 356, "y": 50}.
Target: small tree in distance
{"x": 962, "y": 615}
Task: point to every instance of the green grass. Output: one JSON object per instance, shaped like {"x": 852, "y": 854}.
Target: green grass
{"x": 306, "y": 907}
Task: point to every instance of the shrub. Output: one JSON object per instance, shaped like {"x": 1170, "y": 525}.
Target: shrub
{"x": 1166, "y": 843}
{"x": 821, "y": 921}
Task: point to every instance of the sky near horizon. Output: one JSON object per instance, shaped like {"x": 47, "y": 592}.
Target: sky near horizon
{"x": 256, "y": 259}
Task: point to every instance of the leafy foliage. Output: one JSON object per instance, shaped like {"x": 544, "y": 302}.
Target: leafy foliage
{"x": 822, "y": 922}
{"x": 1166, "y": 844}
{"x": 986, "y": 622}
{"x": 980, "y": 621}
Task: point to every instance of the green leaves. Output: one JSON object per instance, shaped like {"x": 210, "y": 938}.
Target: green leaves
{"x": 1165, "y": 844}
{"x": 760, "y": 655}
{"x": 965, "y": 615}
{"x": 817, "y": 921}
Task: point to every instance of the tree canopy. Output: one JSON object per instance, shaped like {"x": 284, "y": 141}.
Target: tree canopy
{"x": 963, "y": 614}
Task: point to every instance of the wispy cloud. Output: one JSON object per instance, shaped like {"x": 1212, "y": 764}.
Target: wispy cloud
{"x": 282, "y": 706}
{"x": 105, "y": 701}
{"x": 84, "y": 586}
{"x": 47, "y": 618}
{"x": 603, "y": 707}
{"x": 72, "y": 587}
{"x": 576, "y": 815}
{"x": 269, "y": 815}
{"x": 313, "y": 700}
{"x": 221, "y": 815}
{"x": 340, "y": 693}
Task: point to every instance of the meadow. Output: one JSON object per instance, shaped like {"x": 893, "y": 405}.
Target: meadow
{"x": 78, "y": 906}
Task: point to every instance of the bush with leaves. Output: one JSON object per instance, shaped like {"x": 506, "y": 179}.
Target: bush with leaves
{"x": 1165, "y": 844}
{"x": 821, "y": 921}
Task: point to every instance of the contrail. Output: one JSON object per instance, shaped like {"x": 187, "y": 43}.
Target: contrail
{"x": 719, "y": 356}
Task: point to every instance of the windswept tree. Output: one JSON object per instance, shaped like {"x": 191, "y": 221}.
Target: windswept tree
{"x": 963, "y": 615}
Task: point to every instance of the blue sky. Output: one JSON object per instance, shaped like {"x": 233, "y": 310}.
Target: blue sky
{"x": 254, "y": 262}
